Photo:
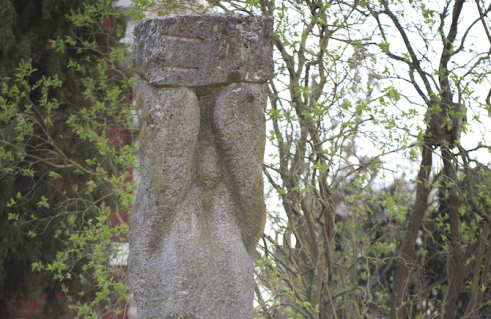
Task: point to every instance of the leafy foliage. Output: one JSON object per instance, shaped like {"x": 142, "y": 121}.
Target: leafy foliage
{"x": 378, "y": 156}
{"x": 66, "y": 152}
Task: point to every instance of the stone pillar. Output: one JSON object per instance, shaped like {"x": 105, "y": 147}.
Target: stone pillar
{"x": 199, "y": 209}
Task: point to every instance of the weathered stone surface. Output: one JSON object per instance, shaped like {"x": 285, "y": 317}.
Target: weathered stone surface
{"x": 199, "y": 209}
{"x": 204, "y": 50}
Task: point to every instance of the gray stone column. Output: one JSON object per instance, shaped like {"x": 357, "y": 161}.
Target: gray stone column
{"x": 199, "y": 209}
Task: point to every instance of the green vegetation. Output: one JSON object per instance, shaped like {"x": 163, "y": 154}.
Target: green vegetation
{"x": 378, "y": 159}
{"x": 66, "y": 150}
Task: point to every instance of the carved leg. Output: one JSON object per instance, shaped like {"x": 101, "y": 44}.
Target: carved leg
{"x": 170, "y": 124}
{"x": 239, "y": 123}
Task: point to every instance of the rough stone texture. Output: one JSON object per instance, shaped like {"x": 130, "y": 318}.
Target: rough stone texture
{"x": 204, "y": 50}
{"x": 199, "y": 208}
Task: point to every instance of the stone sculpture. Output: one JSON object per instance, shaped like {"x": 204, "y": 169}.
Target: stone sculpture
{"x": 199, "y": 208}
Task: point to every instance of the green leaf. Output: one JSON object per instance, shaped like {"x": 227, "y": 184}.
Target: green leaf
{"x": 54, "y": 174}
{"x": 43, "y": 202}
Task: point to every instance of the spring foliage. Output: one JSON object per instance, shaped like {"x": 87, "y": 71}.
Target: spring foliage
{"x": 378, "y": 156}
{"x": 67, "y": 148}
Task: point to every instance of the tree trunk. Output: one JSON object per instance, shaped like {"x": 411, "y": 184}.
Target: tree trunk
{"x": 407, "y": 251}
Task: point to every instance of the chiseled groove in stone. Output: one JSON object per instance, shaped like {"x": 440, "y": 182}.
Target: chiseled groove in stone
{"x": 181, "y": 68}
{"x": 182, "y": 38}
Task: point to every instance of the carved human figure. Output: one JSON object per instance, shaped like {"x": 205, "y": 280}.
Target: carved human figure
{"x": 199, "y": 209}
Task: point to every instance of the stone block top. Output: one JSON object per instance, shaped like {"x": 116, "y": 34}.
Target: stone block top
{"x": 192, "y": 50}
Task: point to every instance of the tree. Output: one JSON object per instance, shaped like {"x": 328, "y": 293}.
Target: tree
{"x": 66, "y": 148}
{"x": 445, "y": 85}
{"x": 401, "y": 76}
